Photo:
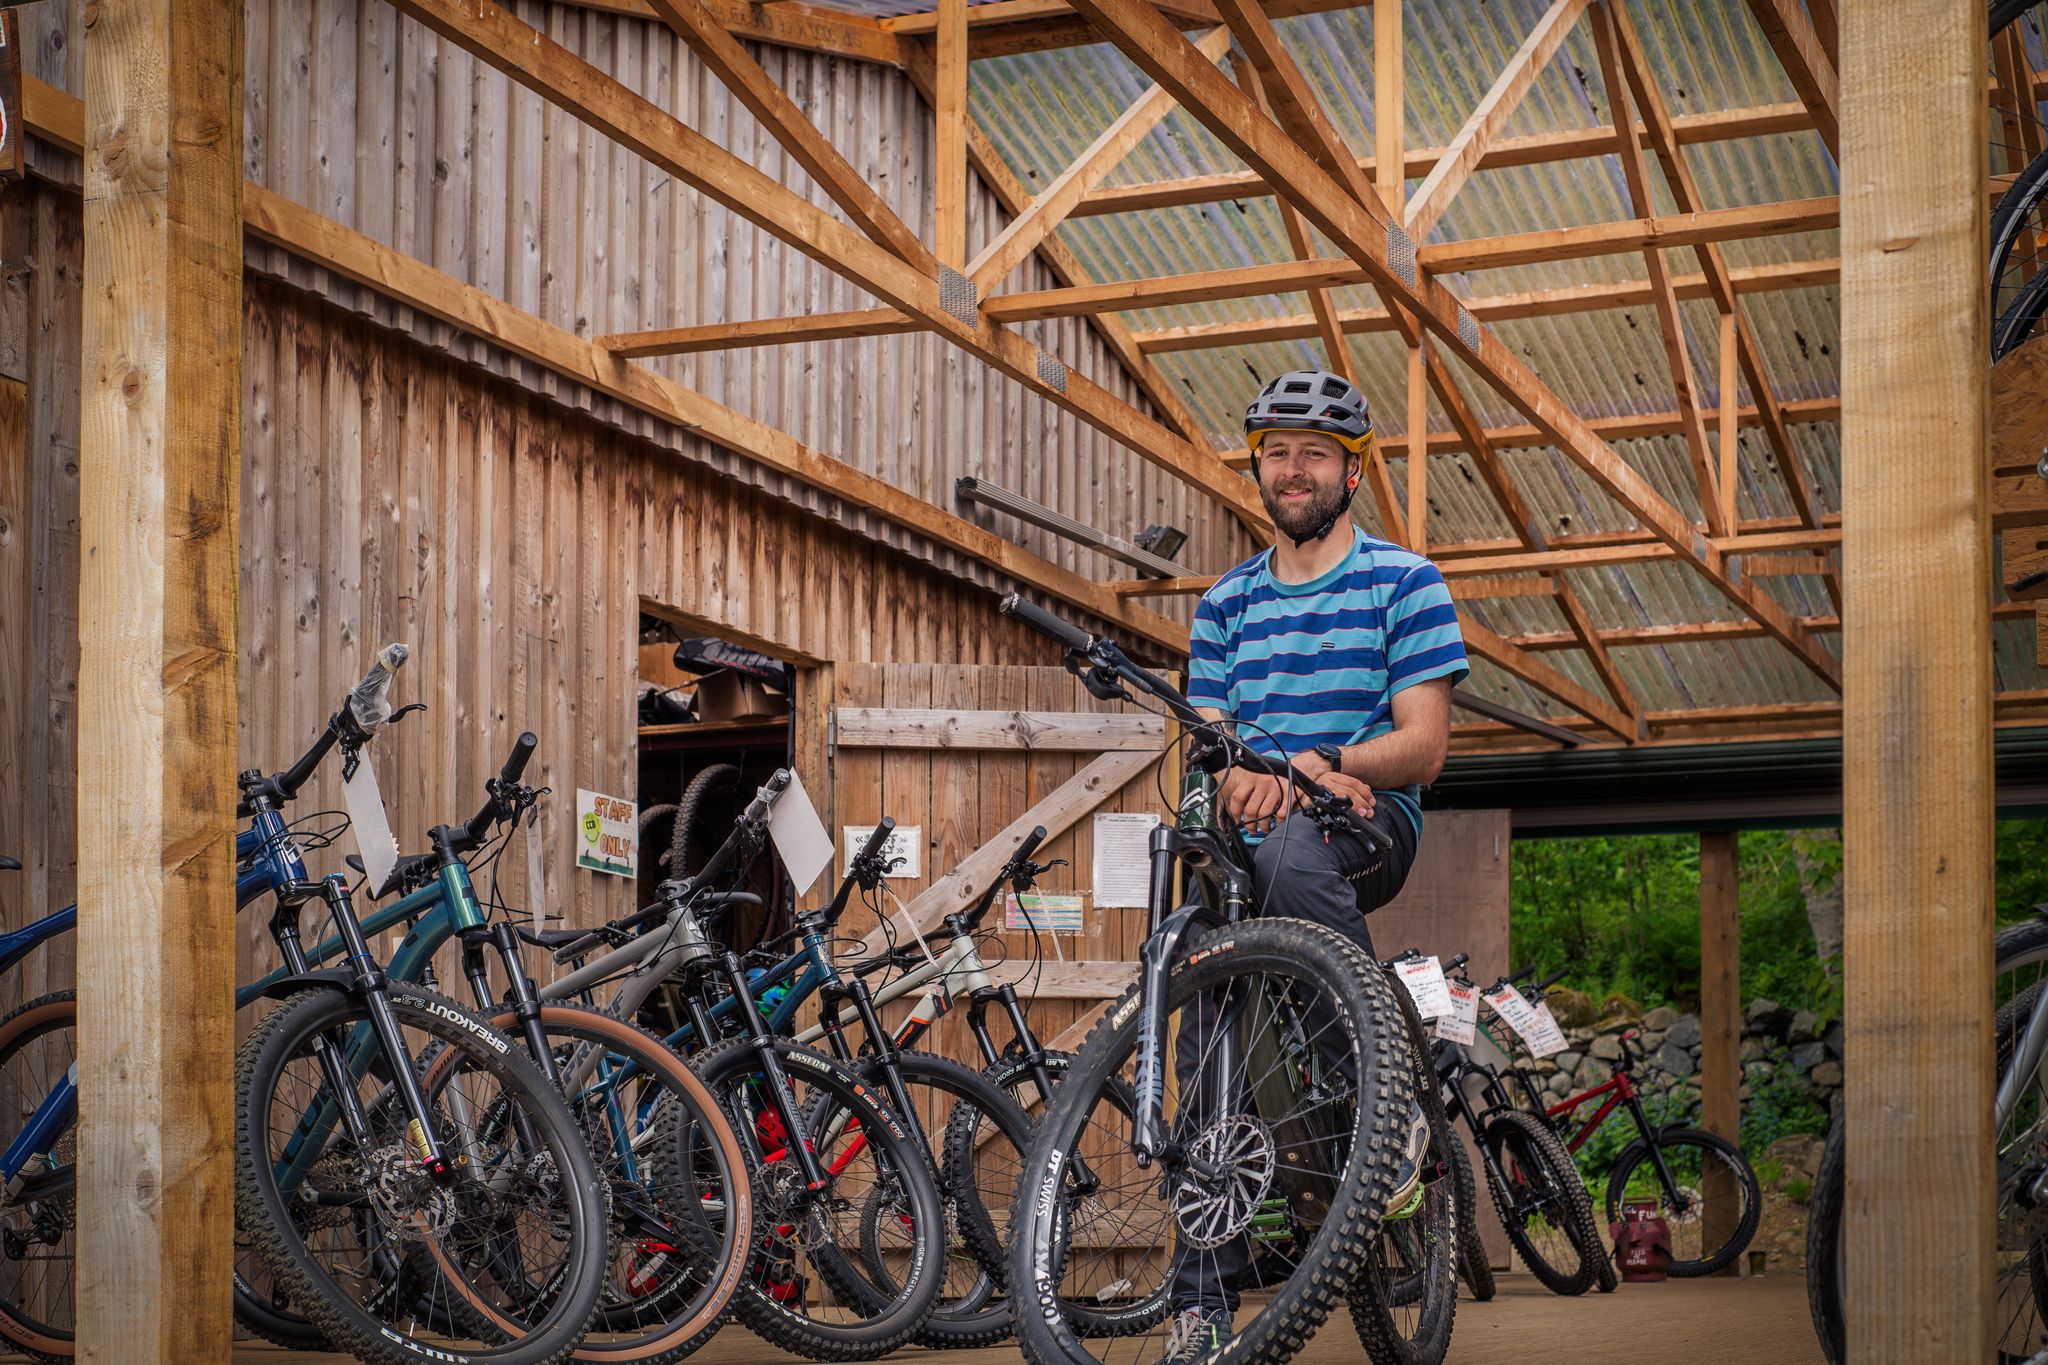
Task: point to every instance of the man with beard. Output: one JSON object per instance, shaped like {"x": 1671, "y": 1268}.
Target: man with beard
{"x": 1338, "y": 652}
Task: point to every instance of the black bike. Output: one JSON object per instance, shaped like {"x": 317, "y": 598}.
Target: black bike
{"x": 1274, "y": 1067}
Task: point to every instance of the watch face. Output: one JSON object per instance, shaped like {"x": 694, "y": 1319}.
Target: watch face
{"x": 1330, "y": 754}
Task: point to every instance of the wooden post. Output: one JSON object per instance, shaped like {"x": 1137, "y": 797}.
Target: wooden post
{"x": 949, "y": 151}
{"x": 1720, "y": 1023}
{"x": 159, "y": 473}
{"x": 1731, "y": 428}
{"x": 1918, "y": 1212}
{"x": 1418, "y": 446}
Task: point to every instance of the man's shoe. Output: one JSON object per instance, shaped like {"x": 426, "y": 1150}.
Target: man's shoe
{"x": 1408, "y": 1170}
{"x": 1195, "y": 1334}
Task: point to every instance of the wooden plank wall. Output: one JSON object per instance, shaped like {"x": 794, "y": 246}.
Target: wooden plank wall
{"x": 375, "y": 122}
{"x": 962, "y": 797}
{"x": 40, "y": 251}
{"x": 393, "y": 493}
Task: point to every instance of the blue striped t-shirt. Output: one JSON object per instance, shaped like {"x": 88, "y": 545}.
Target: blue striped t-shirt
{"x": 1319, "y": 662}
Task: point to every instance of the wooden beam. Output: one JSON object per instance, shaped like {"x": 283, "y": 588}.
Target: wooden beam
{"x": 1570, "y": 144}
{"x": 1535, "y": 303}
{"x": 1418, "y": 446}
{"x": 1389, "y": 105}
{"x": 1473, "y": 588}
{"x": 1786, "y": 566}
{"x": 1433, "y": 196}
{"x": 870, "y": 727}
{"x": 1057, "y": 199}
{"x": 699, "y": 25}
{"x": 1707, "y": 632}
{"x": 159, "y": 478}
{"x": 1479, "y": 253}
{"x": 1917, "y": 757}
{"x": 1806, "y": 62}
{"x": 1770, "y": 719}
{"x": 732, "y": 336}
{"x": 1486, "y": 644}
{"x": 811, "y": 28}
{"x": 565, "y": 79}
{"x": 354, "y": 256}
{"x": 949, "y": 155}
{"x": 1720, "y": 1026}
{"x": 1073, "y": 30}
{"x": 1670, "y": 322}
{"x": 1058, "y": 811}
{"x": 1729, "y": 471}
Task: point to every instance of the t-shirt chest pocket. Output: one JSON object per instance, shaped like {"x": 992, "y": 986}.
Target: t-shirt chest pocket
{"x": 1351, "y": 659}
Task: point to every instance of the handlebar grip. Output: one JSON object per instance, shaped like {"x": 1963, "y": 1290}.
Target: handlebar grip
{"x": 576, "y": 948}
{"x": 1517, "y": 978}
{"x": 1547, "y": 982}
{"x": 522, "y": 750}
{"x": 877, "y": 839}
{"x": 1045, "y": 623}
{"x": 1030, "y": 844}
{"x": 1454, "y": 963}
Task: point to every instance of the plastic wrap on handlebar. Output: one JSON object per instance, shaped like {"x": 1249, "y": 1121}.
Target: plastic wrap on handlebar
{"x": 1045, "y": 623}
{"x": 522, "y": 750}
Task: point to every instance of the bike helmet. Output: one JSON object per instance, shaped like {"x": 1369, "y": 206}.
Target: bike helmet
{"x": 1313, "y": 400}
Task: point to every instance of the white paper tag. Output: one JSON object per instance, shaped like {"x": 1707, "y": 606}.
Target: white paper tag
{"x": 800, "y": 836}
{"x": 1533, "y": 1023}
{"x": 368, "y": 823}
{"x": 1424, "y": 978}
{"x": 536, "y": 876}
{"x": 1123, "y": 859}
{"x": 1460, "y": 1024}
{"x": 903, "y": 852}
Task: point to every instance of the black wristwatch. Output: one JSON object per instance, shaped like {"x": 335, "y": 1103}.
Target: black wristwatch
{"x": 1332, "y": 754}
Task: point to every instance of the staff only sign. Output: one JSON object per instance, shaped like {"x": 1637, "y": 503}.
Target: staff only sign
{"x": 607, "y": 834}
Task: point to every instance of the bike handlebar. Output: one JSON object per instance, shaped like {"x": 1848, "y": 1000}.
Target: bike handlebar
{"x": 364, "y": 709}
{"x": 495, "y": 807}
{"x": 1107, "y": 664}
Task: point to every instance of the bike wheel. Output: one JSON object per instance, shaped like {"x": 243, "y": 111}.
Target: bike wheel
{"x": 1403, "y": 1303}
{"x": 977, "y": 1136}
{"x": 1109, "y": 1310}
{"x": 1475, "y": 1267}
{"x": 804, "y": 1290}
{"x": 390, "y": 1263}
{"x": 38, "y": 1045}
{"x": 1693, "y": 1157}
{"x": 681, "y": 1195}
{"x": 1824, "y": 1249}
{"x": 1545, "y": 1208}
{"x": 1298, "y": 1157}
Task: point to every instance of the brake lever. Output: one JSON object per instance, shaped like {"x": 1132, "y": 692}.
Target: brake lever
{"x": 402, "y": 712}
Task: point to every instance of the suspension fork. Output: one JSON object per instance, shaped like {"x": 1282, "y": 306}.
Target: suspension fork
{"x": 781, "y": 1095}
{"x": 309, "y": 1138}
{"x": 1156, "y": 956}
{"x": 1679, "y": 1202}
{"x": 884, "y": 1049}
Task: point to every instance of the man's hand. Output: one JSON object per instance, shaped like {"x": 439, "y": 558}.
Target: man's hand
{"x": 1252, "y": 799}
{"x": 1351, "y": 789}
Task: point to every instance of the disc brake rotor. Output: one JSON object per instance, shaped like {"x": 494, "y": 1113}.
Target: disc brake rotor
{"x": 1212, "y": 1210}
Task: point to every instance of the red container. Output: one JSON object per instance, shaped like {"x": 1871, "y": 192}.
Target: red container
{"x": 1642, "y": 1242}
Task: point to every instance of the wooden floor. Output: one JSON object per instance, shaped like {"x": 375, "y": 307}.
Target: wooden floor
{"x": 1681, "y": 1322}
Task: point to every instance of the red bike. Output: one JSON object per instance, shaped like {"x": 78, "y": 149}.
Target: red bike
{"x": 1701, "y": 1183}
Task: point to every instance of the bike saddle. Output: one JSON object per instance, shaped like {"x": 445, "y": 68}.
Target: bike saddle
{"x": 550, "y": 939}
{"x": 9, "y": 864}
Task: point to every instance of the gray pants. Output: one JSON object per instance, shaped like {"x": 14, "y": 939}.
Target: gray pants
{"x": 1299, "y": 875}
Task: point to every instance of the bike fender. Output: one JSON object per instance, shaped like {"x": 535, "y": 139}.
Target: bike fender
{"x": 341, "y": 979}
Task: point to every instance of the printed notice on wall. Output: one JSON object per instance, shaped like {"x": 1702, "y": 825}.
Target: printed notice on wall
{"x": 1461, "y": 1025}
{"x": 1123, "y": 859}
{"x": 607, "y": 834}
{"x": 1424, "y": 978}
{"x": 1046, "y": 913}
{"x": 903, "y": 854}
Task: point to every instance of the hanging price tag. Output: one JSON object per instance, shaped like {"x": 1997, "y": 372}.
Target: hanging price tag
{"x": 1460, "y": 1024}
{"x": 1424, "y": 978}
{"x": 367, "y": 822}
{"x": 1535, "y": 1026}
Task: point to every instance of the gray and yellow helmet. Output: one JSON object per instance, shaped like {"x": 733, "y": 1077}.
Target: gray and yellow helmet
{"x": 1313, "y": 400}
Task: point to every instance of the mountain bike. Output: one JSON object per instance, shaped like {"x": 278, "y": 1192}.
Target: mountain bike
{"x": 2020, "y": 1040}
{"x": 681, "y": 1227}
{"x": 1538, "y": 1194}
{"x": 838, "y": 1167}
{"x": 413, "y": 1217}
{"x": 1273, "y": 1066}
{"x": 1702, "y": 1184}
{"x": 38, "y": 1171}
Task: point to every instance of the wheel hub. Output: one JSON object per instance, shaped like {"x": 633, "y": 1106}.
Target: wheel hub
{"x": 412, "y": 1206}
{"x": 1214, "y": 1209}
